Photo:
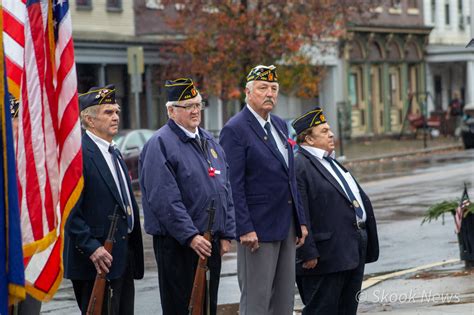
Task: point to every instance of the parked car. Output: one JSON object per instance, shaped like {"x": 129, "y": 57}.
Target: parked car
{"x": 130, "y": 143}
{"x": 467, "y": 126}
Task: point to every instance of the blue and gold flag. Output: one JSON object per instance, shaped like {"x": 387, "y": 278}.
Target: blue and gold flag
{"x": 12, "y": 278}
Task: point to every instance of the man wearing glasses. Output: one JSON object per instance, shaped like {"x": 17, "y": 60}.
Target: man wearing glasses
{"x": 183, "y": 169}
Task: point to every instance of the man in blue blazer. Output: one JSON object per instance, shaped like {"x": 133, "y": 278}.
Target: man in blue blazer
{"x": 107, "y": 187}
{"x": 269, "y": 218}
{"x": 342, "y": 231}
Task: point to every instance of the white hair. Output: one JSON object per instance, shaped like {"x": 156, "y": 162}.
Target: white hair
{"x": 89, "y": 111}
{"x": 248, "y": 86}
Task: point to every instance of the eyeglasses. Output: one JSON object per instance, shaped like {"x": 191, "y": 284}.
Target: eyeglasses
{"x": 191, "y": 106}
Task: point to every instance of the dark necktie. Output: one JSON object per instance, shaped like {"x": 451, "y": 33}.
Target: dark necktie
{"x": 273, "y": 142}
{"x": 355, "y": 203}
{"x": 200, "y": 142}
{"x": 126, "y": 203}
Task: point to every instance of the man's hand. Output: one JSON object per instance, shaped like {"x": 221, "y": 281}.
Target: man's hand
{"x": 225, "y": 246}
{"x": 300, "y": 240}
{"x": 201, "y": 246}
{"x": 101, "y": 259}
{"x": 310, "y": 264}
{"x": 250, "y": 240}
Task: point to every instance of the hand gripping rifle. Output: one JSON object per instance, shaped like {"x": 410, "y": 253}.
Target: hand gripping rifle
{"x": 196, "y": 302}
{"x": 97, "y": 296}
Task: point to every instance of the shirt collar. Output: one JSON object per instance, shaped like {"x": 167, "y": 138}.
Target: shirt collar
{"x": 101, "y": 143}
{"x": 189, "y": 133}
{"x": 317, "y": 152}
{"x": 260, "y": 119}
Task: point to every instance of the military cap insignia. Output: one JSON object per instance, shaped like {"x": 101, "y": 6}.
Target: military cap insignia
{"x": 14, "y": 106}
{"x": 180, "y": 89}
{"x": 97, "y": 96}
{"x": 263, "y": 73}
{"x": 310, "y": 119}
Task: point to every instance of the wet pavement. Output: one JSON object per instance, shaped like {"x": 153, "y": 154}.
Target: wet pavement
{"x": 400, "y": 190}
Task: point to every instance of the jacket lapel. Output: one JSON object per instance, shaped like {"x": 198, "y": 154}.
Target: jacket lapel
{"x": 262, "y": 135}
{"x": 324, "y": 172}
{"x": 102, "y": 167}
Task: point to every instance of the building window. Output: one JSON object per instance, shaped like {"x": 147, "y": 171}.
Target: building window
{"x": 446, "y": 14}
{"x": 114, "y": 5}
{"x": 395, "y": 4}
{"x": 353, "y": 95}
{"x": 433, "y": 11}
{"x": 395, "y": 7}
{"x": 394, "y": 87}
{"x": 83, "y": 4}
{"x": 356, "y": 95}
{"x": 461, "y": 16}
{"x": 413, "y": 4}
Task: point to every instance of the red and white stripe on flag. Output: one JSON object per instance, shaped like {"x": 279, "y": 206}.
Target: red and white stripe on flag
{"x": 14, "y": 12}
{"x": 49, "y": 157}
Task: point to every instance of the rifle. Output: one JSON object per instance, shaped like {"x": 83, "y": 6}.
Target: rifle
{"x": 97, "y": 296}
{"x": 196, "y": 302}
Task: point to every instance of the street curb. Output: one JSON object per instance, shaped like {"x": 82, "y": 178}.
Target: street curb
{"x": 395, "y": 155}
{"x": 377, "y": 279}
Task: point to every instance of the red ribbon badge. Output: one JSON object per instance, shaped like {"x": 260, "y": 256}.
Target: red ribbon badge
{"x": 212, "y": 171}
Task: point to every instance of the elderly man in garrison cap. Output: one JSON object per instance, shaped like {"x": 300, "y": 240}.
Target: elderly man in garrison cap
{"x": 269, "y": 217}
{"x": 342, "y": 235}
{"x": 183, "y": 172}
{"x": 107, "y": 192}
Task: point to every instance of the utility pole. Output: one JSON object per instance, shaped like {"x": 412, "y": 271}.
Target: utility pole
{"x": 135, "y": 70}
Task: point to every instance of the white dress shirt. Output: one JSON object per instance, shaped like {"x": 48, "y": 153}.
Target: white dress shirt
{"x": 189, "y": 133}
{"x": 104, "y": 149}
{"x": 319, "y": 154}
{"x": 282, "y": 147}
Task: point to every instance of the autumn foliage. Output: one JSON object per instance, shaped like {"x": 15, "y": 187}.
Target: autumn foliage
{"x": 224, "y": 39}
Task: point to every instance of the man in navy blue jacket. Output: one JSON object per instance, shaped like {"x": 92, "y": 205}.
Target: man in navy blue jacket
{"x": 107, "y": 186}
{"x": 269, "y": 218}
{"x": 342, "y": 232}
{"x": 183, "y": 169}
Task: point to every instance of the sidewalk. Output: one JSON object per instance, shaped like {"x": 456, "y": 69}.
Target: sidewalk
{"x": 362, "y": 150}
{"x": 446, "y": 289}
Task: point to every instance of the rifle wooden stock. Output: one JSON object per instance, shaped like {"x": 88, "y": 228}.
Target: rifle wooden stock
{"x": 97, "y": 297}
{"x": 196, "y": 303}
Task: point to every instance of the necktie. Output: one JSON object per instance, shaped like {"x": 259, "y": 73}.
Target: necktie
{"x": 200, "y": 142}
{"x": 126, "y": 203}
{"x": 355, "y": 203}
{"x": 273, "y": 142}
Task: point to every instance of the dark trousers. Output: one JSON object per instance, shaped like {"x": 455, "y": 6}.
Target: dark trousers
{"x": 176, "y": 269}
{"x": 119, "y": 293}
{"x": 334, "y": 293}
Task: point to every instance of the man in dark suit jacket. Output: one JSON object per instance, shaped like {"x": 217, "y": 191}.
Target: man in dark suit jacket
{"x": 269, "y": 218}
{"x": 107, "y": 187}
{"x": 342, "y": 235}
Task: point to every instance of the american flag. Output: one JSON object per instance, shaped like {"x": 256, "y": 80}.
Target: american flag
{"x": 49, "y": 157}
{"x": 14, "y": 12}
{"x": 463, "y": 204}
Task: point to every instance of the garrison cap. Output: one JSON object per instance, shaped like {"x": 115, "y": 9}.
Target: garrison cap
{"x": 97, "y": 96}
{"x": 310, "y": 119}
{"x": 14, "y": 106}
{"x": 263, "y": 73}
{"x": 181, "y": 89}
